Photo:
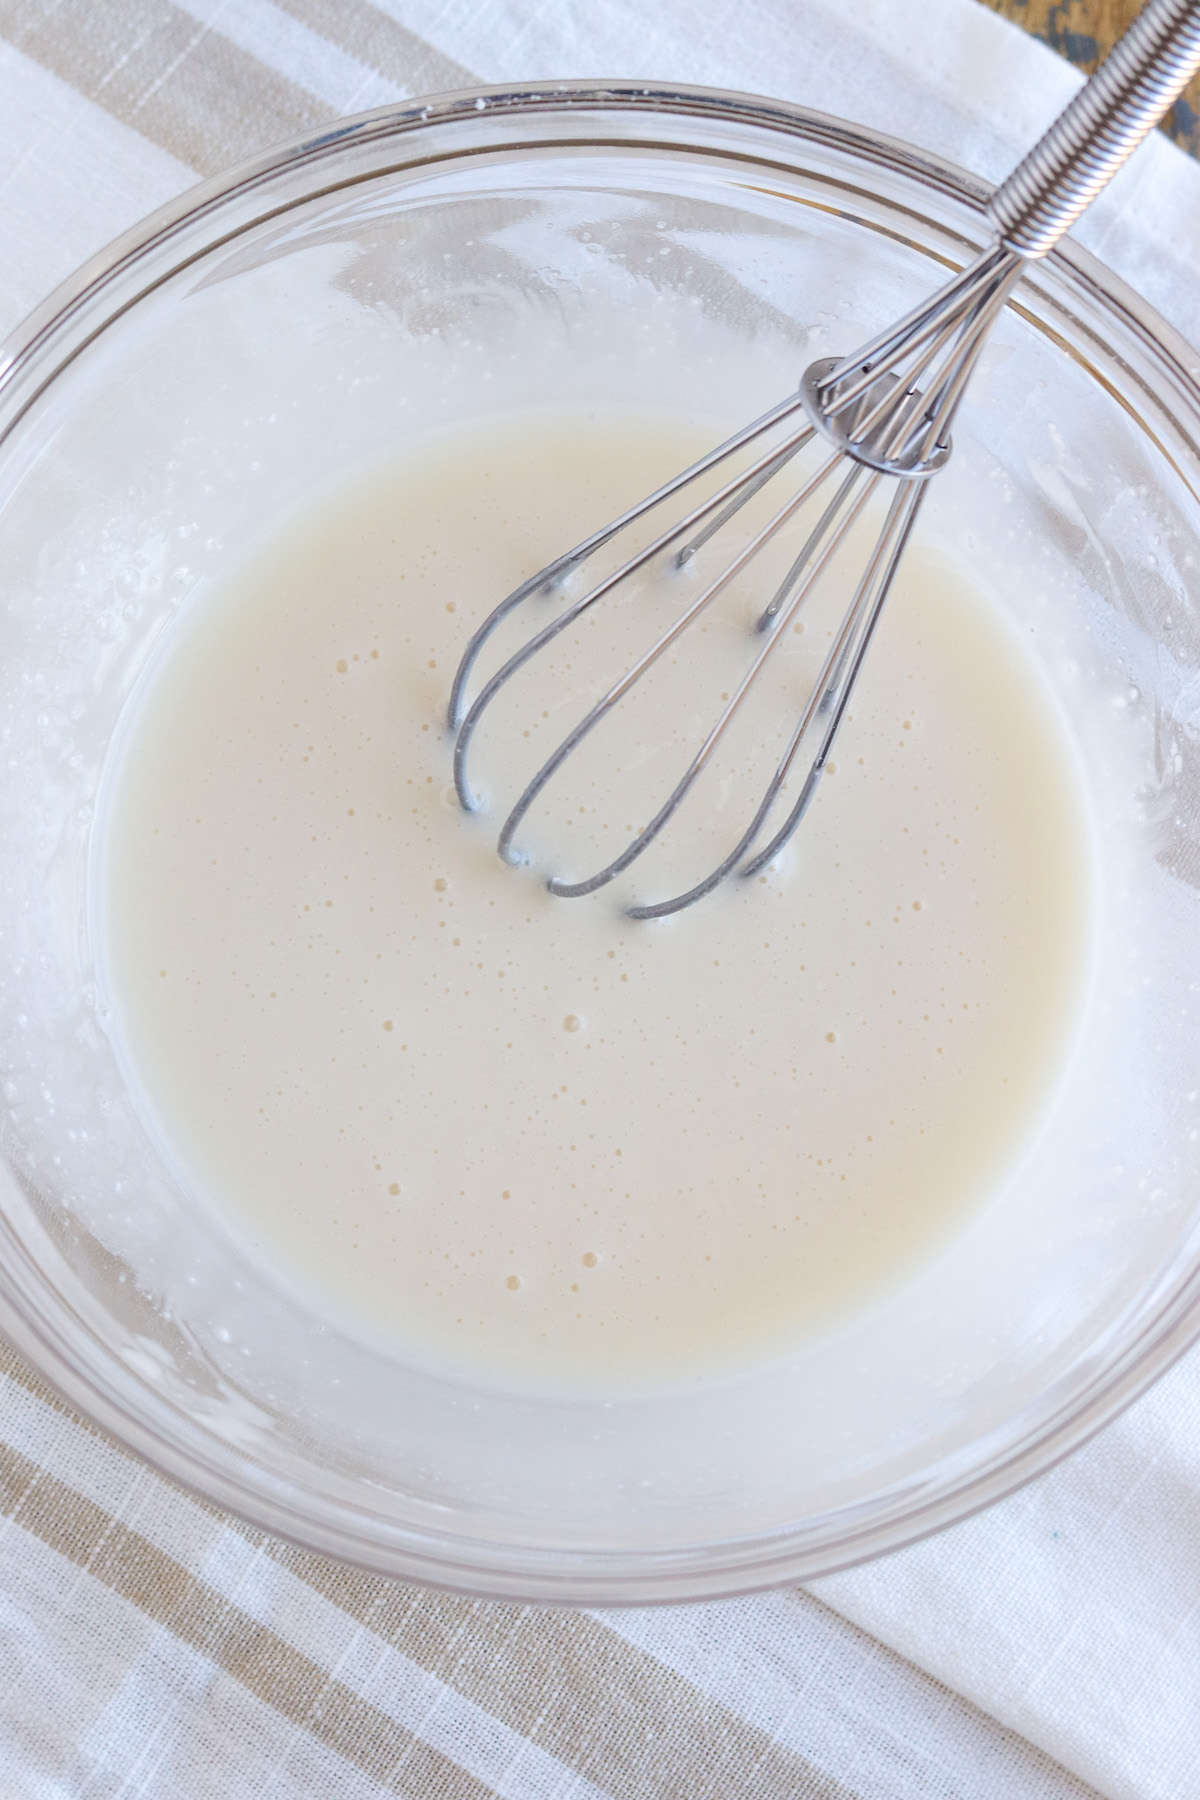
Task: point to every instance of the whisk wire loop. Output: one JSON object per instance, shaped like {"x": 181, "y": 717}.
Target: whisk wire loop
{"x": 564, "y": 565}
{"x": 634, "y": 674}
{"x": 827, "y": 522}
{"x": 822, "y": 692}
{"x": 643, "y": 840}
{"x": 905, "y": 429}
{"x": 744, "y": 495}
{"x": 864, "y": 612}
{"x": 467, "y": 721}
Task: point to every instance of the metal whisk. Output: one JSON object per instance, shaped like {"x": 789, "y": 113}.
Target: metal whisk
{"x": 886, "y": 412}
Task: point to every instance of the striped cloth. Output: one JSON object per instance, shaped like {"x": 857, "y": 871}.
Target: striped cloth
{"x": 152, "y": 1647}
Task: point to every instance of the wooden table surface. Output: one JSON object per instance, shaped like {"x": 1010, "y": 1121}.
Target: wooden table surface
{"x": 1083, "y": 30}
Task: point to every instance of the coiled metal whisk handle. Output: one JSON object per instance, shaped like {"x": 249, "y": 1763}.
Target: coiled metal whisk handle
{"x": 1103, "y": 125}
{"x": 890, "y": 404}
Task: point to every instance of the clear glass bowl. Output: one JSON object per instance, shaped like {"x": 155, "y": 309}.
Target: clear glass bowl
{"x": 417, "y": 266}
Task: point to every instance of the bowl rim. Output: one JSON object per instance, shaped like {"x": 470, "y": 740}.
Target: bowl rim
{"x": 213, "y": 1470}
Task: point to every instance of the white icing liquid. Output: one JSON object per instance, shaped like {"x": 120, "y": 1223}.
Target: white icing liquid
{"x": 526, "y": 1137}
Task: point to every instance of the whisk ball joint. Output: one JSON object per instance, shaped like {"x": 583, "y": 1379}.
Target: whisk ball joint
{"x": 884, "y": 415}
{"x": 819, "y": 386}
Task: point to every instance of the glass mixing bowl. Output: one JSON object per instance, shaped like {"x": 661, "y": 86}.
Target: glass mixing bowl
{"x": 419, "y": 266}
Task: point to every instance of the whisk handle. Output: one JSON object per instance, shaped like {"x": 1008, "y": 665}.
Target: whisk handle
{"x": 1146, "y": 70}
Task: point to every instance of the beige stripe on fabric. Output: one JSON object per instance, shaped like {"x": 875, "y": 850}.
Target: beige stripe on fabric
{"x": 598, "y": 1704}
{"x": 14, "y": 1368}
{"x": 603, "y": 1708}
{"x": 383, "y": 45}
{"x": 184, "y": 87}
{"x": 163, "y": 1590}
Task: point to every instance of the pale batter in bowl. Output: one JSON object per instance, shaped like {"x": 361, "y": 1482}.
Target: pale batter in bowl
{"x": 533, "y": 1140}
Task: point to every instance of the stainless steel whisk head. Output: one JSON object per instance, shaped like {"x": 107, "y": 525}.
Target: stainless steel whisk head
{"x": 885, "y": 414}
